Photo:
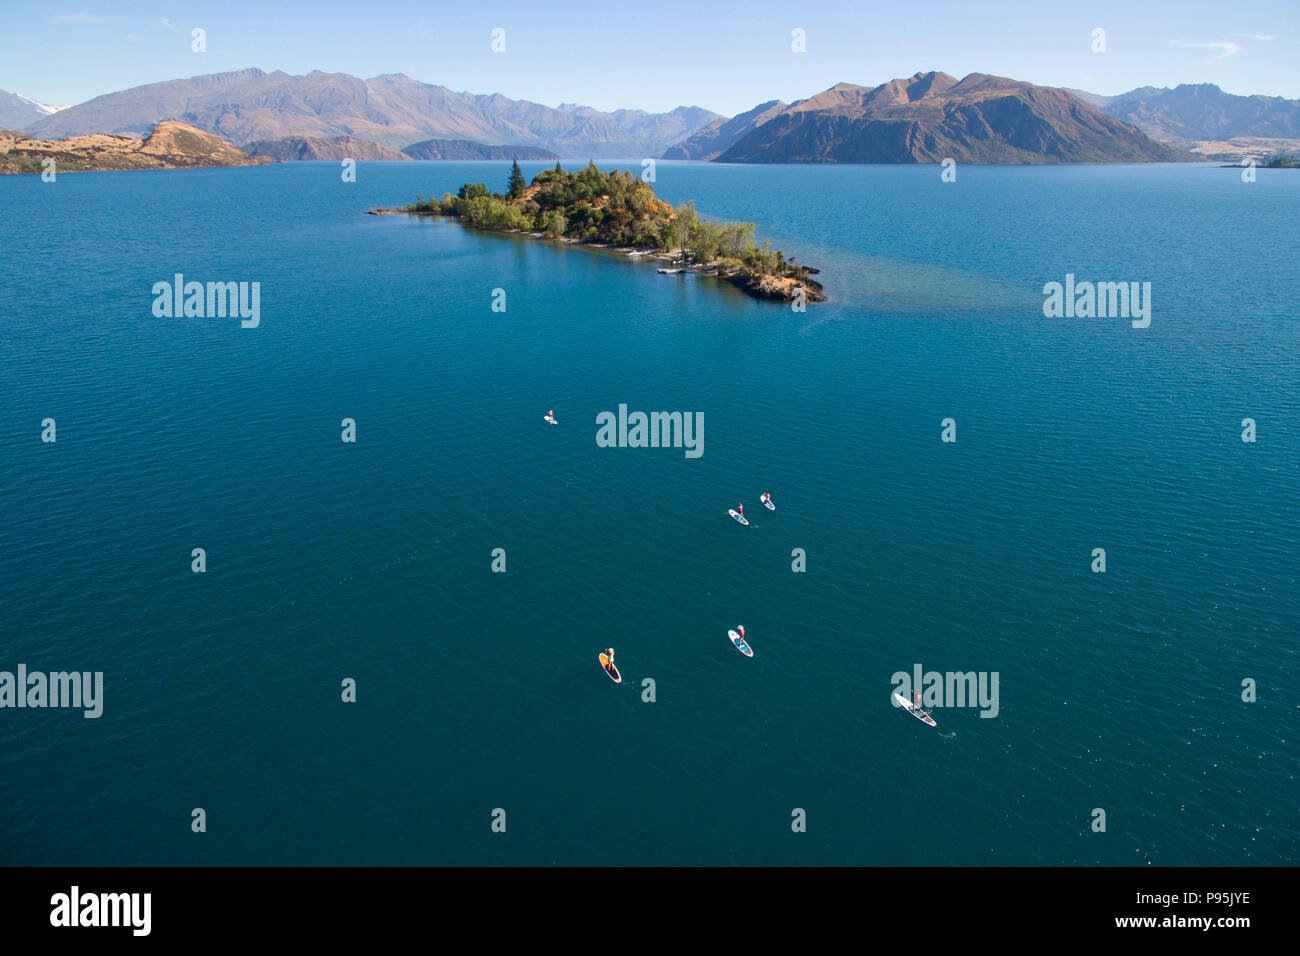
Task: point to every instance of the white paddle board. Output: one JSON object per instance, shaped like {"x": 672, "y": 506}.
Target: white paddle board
{"x": 737, "y": 515}
{"x": 741, "y": 646}
{"x": 912, "y": 709}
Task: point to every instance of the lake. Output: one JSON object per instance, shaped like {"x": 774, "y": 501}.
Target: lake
{"x": 477, "y": 690}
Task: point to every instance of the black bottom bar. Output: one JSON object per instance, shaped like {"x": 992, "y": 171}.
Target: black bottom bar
{"x": 904, "y": 906}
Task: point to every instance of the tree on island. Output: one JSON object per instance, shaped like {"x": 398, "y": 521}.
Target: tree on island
{"x": 517, "y": 182}
{"x": 619, "y": 209}
{"x": 680, "y": 230}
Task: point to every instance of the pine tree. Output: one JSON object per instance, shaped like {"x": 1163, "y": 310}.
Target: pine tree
{"x": 517, "y": 182}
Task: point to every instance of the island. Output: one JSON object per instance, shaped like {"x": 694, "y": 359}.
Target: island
{"x": 1280, "y": 161}
{"x": 620, "y": 210}
{"x": 1273, "y": 161}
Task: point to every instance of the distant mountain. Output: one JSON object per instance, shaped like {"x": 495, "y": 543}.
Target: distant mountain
{"x": 169, "y": 146}
{"x": 931, "y": 116}
{"x": 1203, "y": 118}
{"x": 312, "y": 148}
{"x": 463, "y": 149}
{"x": 722, "y": 133}
{"x": 1092, "y": 99}
{"x": 18, "y": 112}
{"x": 1191, "y": 113}
{"x": 316, "y": 148}
{"x": 248, "y": 106}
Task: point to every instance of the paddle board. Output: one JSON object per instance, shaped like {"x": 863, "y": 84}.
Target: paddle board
{"x": 548, "y": 418}
{"x": 741, "y": 646}
{"x": 737, "y": 515}
{"x": 611, "y": 669}
{"x": 920, "y": 715}
{"x": 767, "y": 503}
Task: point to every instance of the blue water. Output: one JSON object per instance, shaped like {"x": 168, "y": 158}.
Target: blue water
{"x": 477, "y": 691}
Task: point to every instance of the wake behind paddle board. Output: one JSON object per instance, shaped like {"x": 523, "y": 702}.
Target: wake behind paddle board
{"x": 610, "y": 669}
{"x": 737, "y": 515}
{"x": 740, "y": 643}
{"x": 912, "y": 709}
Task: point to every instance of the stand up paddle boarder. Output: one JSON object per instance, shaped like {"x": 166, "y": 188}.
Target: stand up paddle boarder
{"x": 607, "y": 662}
{"x": 741, "y": 509}
{"x": 913, "y": 708}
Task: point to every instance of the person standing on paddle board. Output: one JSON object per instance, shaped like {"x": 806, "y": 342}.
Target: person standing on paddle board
{"x": 916, "y": 699}
{"x": 740, "y": 629}
{"x": 609, "y": 652}
{"x": 740, "y": 509}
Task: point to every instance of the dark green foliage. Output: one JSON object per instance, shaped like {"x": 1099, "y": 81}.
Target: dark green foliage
{"x": 617, "y": 208}
{"x": 517, "y": 182}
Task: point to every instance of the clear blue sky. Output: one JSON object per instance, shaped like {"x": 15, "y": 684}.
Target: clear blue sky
{"x": 723, "y": 55}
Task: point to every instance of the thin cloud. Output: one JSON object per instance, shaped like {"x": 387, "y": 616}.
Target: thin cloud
{"x": 168, "y": 25}
{"x": 1253, "y": 36}
{"x": 80, "y": 18}
{"x": 1226, "y": 48}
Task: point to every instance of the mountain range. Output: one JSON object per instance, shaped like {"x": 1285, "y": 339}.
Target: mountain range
{"x": 19, "y": 112}
{"x": 716, "y": 138}
{"x": 926, "y": 118}
{"x": 922, "y": 118}
{"x": 248, "y": 106}
{"x": 317, "y": 148}
{"x": 1203, "y": 118}
{"x": 1192, "y": 113}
